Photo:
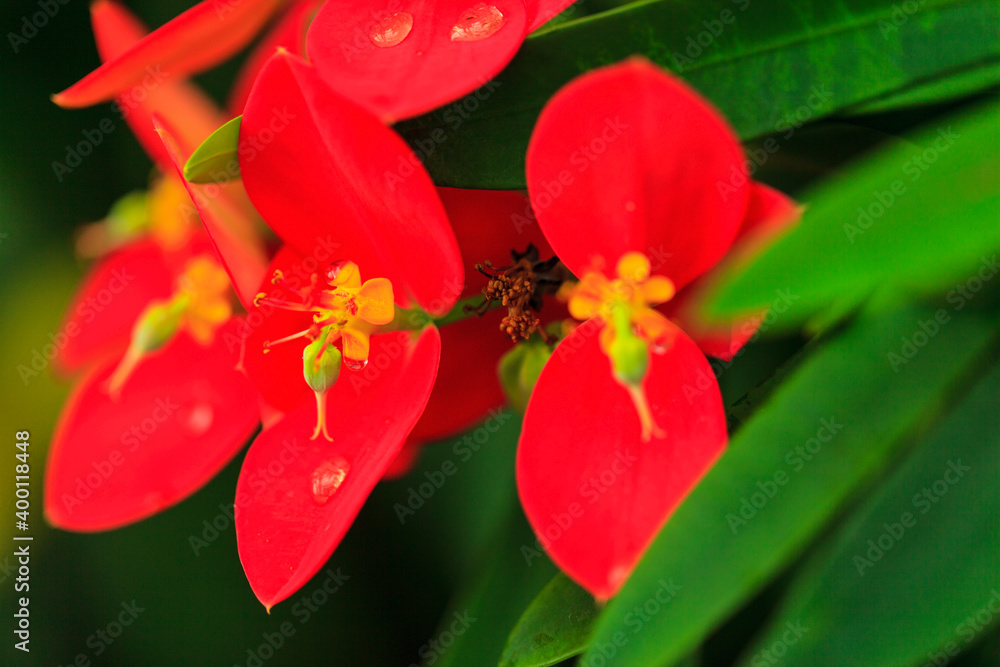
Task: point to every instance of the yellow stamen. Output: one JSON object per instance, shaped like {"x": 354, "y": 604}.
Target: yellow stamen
{"x": 625, "y": 304}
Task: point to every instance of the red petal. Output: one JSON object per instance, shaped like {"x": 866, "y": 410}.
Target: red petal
{"x": 201, "y": 37}
{"x": 629, "y": 158}
{"x": 489, "y": 224}
{"x": 183, "y": 414}
{"x": 423, "y": 71}
{"x": 230, "y": 225}
{"x": 284, "y": 534}
{"x": 99, "y": 319}
{"x": 405, "y": 461}
{"x": 594, "y": 493}
{"x": 362, "y": 194}
{"x": 769, "y": 214}
{"x": 192, "y": 113}
{"x": 288, "y": 34}
{"x": 541, "y": 12}
{"x": 467, "y": 386}
{"x": 277, "y": 374}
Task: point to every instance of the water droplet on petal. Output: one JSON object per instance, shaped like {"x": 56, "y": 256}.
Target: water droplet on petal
{"x": 391, "y": 30}
{"x": 478, "y": 22}
{"x": 630, "y": 206}
{"x": 327, "y": 478}
{"x": 355, "y": 364}
{"x": 334, "y": 268}
{"x": 197, "y": 418}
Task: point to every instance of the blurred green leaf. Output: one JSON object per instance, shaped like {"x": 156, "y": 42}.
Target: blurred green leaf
{"x": 216, "y": 159}
{"x": 513, "y": 570}
{"x": 830, "y": 426}
{"x": 907, "y": 577}
{"x": 554, "y": 627}
{"x": 951, "y": 86}
{"x": 917, "y": 217}
{"x": 759, "y": 63}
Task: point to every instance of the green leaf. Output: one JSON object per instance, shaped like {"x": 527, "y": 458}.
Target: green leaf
{"x": 908, "y": 575}
{"x": 918, "y": 217}
{"x": 952, "y": 86}
{"x": 836, "y": 421}
{"x": 760, "y": 68}
{"x": 215, "y": 160}
{"x": 554, "y": 627}
{"x": 511, "y": 573}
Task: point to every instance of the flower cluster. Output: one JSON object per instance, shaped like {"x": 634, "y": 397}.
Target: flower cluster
{"x": 358, "y": 336}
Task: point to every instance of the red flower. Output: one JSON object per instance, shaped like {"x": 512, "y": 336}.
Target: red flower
{"x": 416, "y": 56}
{"x": 360, "y": 244}
{"x": 201, "y": 37}
{"x": 397, "y": 62}
{"x": 289, "y": 33}
{"x": 632, "y": 177}
{"x": 488, "y": 225}
{"x": 162, "y": 408}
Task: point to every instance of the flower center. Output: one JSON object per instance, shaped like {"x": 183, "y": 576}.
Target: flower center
{"x": 519, "y": 288}
{"x": 344, "y": 310}
{"x": 625, "y": 304}
{"x": 200, "y": 304}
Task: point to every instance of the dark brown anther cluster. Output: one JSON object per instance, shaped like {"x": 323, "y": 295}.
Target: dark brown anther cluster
{"x": 520, "y": 288}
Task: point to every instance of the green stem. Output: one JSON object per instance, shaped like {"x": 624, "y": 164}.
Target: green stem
{"x": 414, "y": 319}
{"x": 458, "y": 313}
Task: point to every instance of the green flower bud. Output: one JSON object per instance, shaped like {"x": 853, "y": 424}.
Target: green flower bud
{"x": 320, "y": 372}
{"x": 629, "y": 358}
{"x": 157, "y": 325}
{"x": 519, "y": 370}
